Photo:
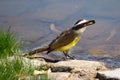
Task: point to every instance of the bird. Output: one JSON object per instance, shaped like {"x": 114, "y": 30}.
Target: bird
{"x": 67, "y": 39}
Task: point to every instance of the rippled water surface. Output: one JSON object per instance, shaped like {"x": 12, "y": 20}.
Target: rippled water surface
{"x": 31, "y": 21}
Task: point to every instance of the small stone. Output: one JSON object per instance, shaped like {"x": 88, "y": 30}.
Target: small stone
{"x": 109, "y": 75}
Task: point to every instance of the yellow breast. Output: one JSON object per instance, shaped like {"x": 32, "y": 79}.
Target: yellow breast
{"x": 70, "y": 45}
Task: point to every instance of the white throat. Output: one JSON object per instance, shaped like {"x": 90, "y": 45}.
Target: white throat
{"x": 80, "y": 31}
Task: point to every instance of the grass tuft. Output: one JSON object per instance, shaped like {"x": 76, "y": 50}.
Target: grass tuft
{"x": 14, "y": 69}
{"x": 8, "y": 44}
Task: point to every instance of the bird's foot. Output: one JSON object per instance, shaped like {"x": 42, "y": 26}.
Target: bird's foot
{"x": 69, "y": 58}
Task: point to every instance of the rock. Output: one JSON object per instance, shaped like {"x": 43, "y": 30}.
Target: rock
{"x": 65, "y": 70}
{"x": 36, "y": 72}
{"x": 34, "y": 62}
{"x": 58, "y": 75}
{"x": 77, "y": 69}
{"x": 79, "y": 64}
{"x": 27, "y": 61}
{"x": 68, "y": 76}
{"x": 62, "y": 70}
{"x": 109, "y": 75}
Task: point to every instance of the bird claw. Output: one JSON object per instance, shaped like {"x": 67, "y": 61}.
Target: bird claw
{"x": 69, "y": 58}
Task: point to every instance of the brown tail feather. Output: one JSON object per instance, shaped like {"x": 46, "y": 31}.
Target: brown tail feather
{"x": 38, "y": 50}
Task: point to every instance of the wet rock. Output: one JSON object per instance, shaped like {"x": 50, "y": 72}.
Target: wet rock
{"x": 109, "y": 75}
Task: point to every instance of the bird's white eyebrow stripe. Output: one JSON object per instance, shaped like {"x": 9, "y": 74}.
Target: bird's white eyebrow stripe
{"x": 83, "y": 21}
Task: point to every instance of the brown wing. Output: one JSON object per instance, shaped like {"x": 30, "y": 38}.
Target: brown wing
{"x": 62, "y": 40}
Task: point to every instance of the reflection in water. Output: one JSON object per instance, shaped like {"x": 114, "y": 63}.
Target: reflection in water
{"x": 31, "y": 21}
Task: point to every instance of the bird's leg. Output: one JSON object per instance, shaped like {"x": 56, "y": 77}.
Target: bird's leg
{"x": 71, "y": 57}
{"x": 67, "y": 55}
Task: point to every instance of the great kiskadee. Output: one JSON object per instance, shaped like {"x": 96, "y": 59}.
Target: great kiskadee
{"x": 67, "y": 39}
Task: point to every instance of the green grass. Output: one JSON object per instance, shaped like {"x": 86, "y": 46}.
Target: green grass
{"x": 8, "y": 44}
{"x": 14, "y": 69}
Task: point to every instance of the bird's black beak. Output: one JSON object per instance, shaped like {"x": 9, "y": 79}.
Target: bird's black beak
{"x": 90, "y": 22}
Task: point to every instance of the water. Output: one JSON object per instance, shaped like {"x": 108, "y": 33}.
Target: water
{"x": 31, "y": 21}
